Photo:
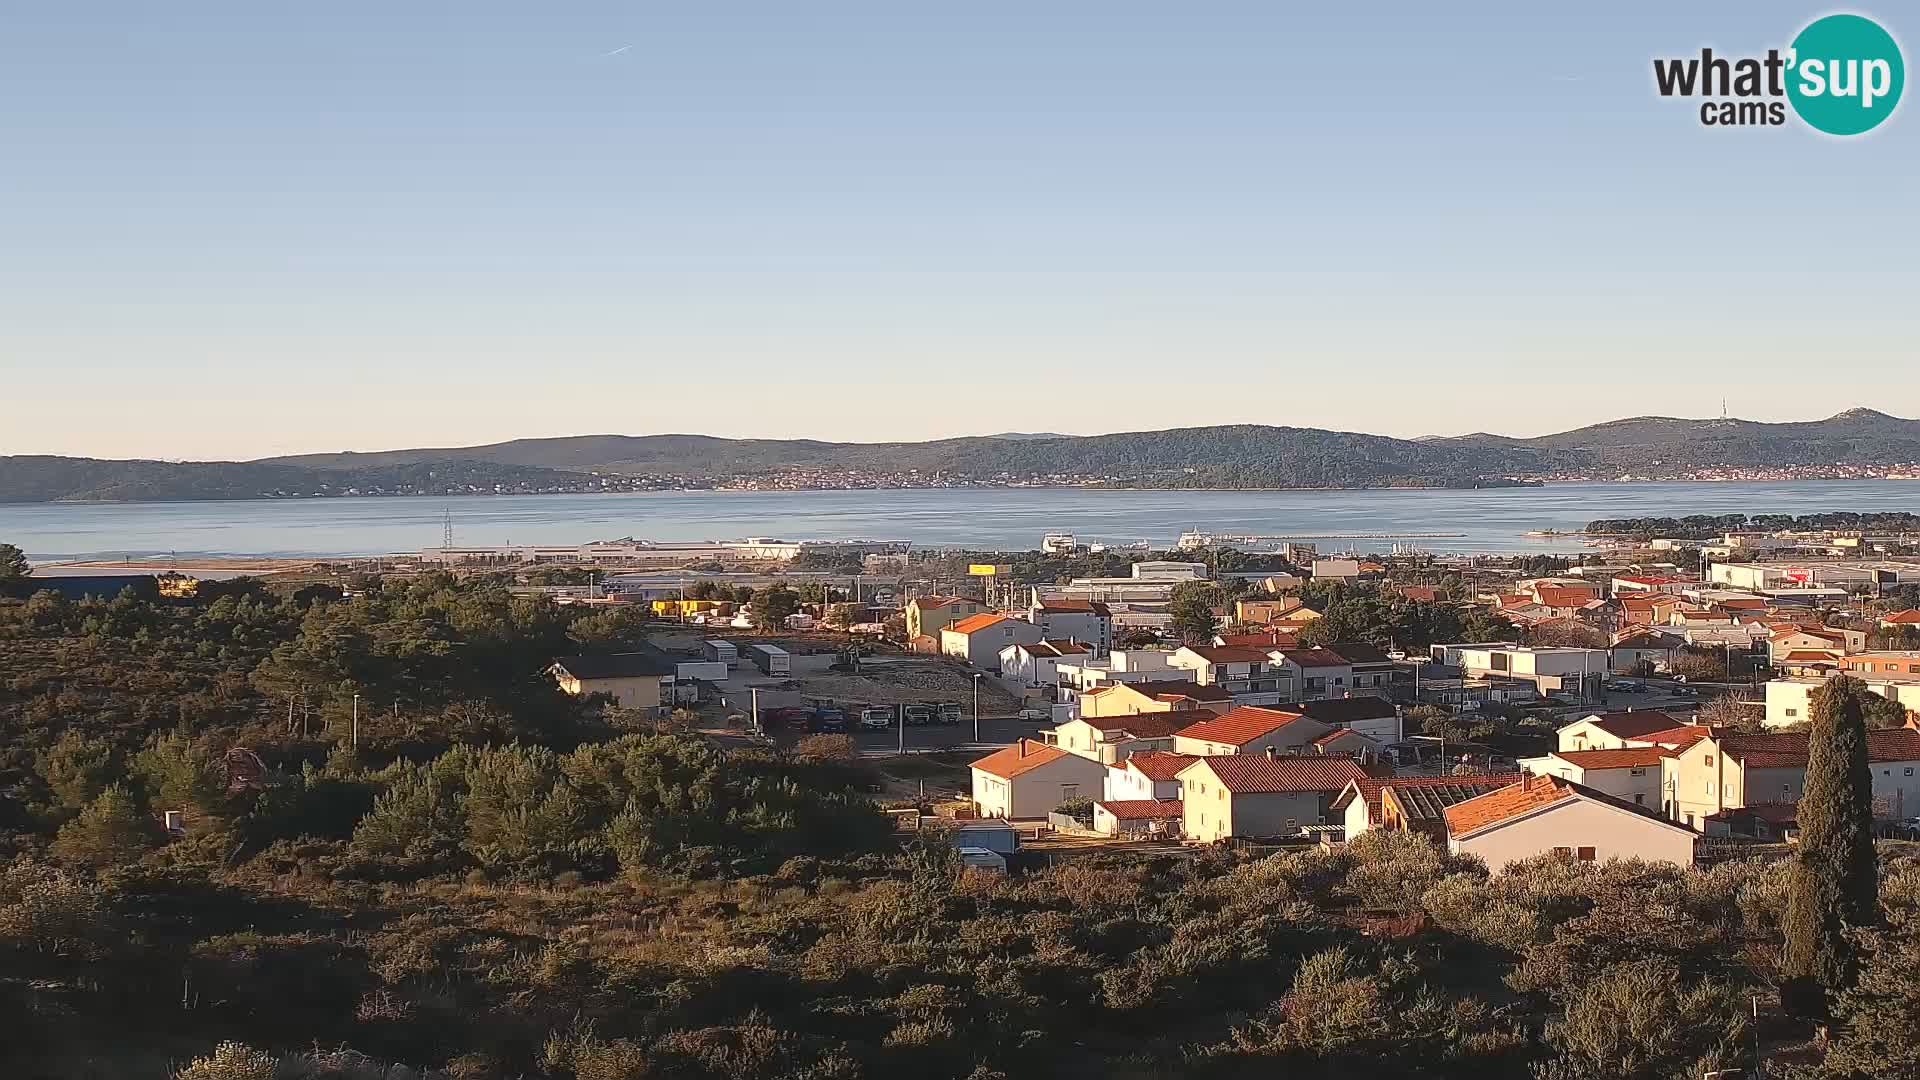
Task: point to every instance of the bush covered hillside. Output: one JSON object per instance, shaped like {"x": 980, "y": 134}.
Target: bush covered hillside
{"x": 501, "y": 884}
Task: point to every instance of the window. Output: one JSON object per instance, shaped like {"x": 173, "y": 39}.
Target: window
{"x": 1223, "y": 795}
{"x": 1709, "y": 760}
{"x": 1790, "y": 712}
{"x": 1563, "y": 851}
{"x": 1069, "y": 791}
{"x": 1586, "y": 854}
{"x": 1689, "y": 821}
{"x": 1908, "y": 771}
{"x": 1709, "y": 787}
{"x": 1640, "y": 797}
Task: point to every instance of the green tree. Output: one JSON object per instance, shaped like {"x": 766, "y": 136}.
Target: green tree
{"x": 13, "y": 571}
{"x": 1192, "y": 609}
{"x": 76, "y": 769}
{"x": 1834, "y": 884}
{"x": 771, "y": 606}
{"x": 110, "y": 831}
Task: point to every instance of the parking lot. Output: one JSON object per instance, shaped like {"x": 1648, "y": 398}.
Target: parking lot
{"x": 995, "y": 731}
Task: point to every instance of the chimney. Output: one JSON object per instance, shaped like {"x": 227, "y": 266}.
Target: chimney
{"x": 1272, "y": 753}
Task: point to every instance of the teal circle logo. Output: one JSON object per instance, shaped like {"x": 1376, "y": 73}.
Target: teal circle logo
{"x": 1845, "y": 74}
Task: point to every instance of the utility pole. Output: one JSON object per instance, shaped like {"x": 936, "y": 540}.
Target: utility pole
{"x": 356, "y": 723}
{"x": 976, "y": 706}
{"x": 900, "y": 725}
{"x": 755, "y": 692}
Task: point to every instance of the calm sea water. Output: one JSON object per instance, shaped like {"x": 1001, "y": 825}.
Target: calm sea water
{"x": 1491, "y": 520}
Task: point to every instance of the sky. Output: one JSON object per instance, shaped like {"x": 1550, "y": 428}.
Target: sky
{"x": 231, "y": 230}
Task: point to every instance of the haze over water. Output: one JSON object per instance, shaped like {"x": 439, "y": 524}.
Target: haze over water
{"x": 1493, "y": 520}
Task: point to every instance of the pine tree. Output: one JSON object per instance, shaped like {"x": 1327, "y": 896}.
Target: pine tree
{"x": 110, "y": 831}
{"x": 1835, "y": 878}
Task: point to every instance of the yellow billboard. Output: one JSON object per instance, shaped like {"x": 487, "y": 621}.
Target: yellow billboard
{"x": 981, "y": 569}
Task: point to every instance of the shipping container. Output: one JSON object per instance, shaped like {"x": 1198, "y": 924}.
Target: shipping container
{"x": 722, "y": 650}
{"x": 770, "y": 659}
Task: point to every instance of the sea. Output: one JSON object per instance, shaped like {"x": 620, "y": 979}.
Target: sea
{"x": 1495, "y": 520}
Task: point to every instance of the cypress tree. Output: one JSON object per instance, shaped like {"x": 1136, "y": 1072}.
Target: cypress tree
{"x": 1835, "y": 878}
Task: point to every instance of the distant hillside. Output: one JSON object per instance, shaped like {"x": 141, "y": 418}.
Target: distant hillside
{"x": 1857, "y": 436}
{"x": 1235, "y": 456}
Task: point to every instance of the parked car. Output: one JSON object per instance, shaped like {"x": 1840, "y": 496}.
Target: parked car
{"x": 876, "y": 717}
{"x": 1622, "y": 686}
{"x": 1036, "y": 716}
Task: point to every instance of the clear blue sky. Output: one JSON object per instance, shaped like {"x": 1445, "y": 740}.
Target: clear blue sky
{"x": 237, "y": 229}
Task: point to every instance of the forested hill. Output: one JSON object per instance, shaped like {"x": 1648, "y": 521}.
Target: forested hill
{"x": 1235, "y": 456}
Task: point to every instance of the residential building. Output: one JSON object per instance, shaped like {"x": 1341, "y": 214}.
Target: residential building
{"x": 1146, "y": 775}
{"x": 1114, "y": 739}
{"x": 1632, "y": 774}
{"x": 1088, "y": 622}
{"x": 1613, "y": 730}
{"x": 1901, "y": 620}
{"x": 1886, "y": 664}
{"x": 1373, "y": 671}
{"x": 1641, "y": 649}
{"x": 1375, "y": 717}
{"x": 1578, "y": 672}
{"x": 642, "y": 679}
{"x": 1029, "y": 779}
{"x": 1249, "y": 730}
{"x": 1802, "y": 638}
{"x": 1549, "y": 814}
{"x": 928, "y": 615}
{"x": 1139, "y": 819}
{"x": 1790, "y": 700}
{"x": 978, "y": 639}
{"x": 1128, "y": 699}
{"x": 1410, "y": 803}
{"x": 1319, "y": 673}
{"x": 1259, "y": 612}
{"x": 1728, "y": 771}
{"x": 1251, "y": 675}
{"x": 1037, "y": 664}
{"x": 1262, "y": 794}
{"x": 1118, "y": 666}
{"x": 1335, "y": 569}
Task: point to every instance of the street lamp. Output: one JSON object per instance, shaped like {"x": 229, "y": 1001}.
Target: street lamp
{"x": 976, "y": 706}
{"x": 356, "y": 722}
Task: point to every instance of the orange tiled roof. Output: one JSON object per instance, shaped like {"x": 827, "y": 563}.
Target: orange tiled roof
{"x": 1141, "y": 809}
{"x": 1238, "y": 727}
{"x": 1158, "y": 764}
{"x": 976, "y": 622}
{"x": 1532, "y": 793}
{"x": 1260, "y": 774}
{"x": 1632, "y": 725}
{"x": 1909, "y": 617}
{"x": 1637, "y": 757}
{"x": 1372, "y": 788}
{"x": 1023, "y": 756}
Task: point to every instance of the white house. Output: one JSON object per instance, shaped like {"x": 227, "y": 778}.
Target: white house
{"x": 1149, "y": 774}
{"x": 978, "y": 639}
{"x": 1632, "y": 774}
{"x": 1790, "y": 701}
{"x": 1038, "y": 664}
{"x": 1029, "y": 779}
{"x": 1545, "y": 814}
{"x": 1319, "y": 673}
{"x": 1088, "y": 622}
{"x": 1613, "y": 730}
{"x": 1118, "y": 666}
{"x": 1375, "y": 717}
{"x": 1409, "y": 803}
{"x": 1116, "y": 738}
{"x": 1251, "y": 675}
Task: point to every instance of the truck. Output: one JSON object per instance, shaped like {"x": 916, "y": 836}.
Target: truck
{"x": 829, "y": 720}
{"x": 770, "y": 659}
{"x": 876, "y": 717}
{"x": 949, "y": 712}
{"x": 721, "y": 650}
{"x": 918, "y": 715}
